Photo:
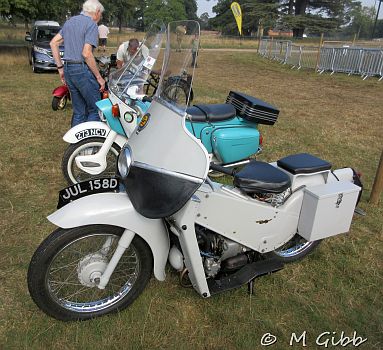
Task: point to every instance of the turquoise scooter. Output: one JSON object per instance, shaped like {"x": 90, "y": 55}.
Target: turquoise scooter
{"x": 229, "y": 131}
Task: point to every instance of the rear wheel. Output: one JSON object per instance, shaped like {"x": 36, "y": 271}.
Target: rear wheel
{"x": 73, "y": 174}
{"x": 65, "y": 269}
{"x": 59, "y": 103}
{"x": 295, "y": 249}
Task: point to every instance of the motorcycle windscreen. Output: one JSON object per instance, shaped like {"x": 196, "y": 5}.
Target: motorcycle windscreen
{"x": 168, "y": 163}
{"x": 134, "y": 74}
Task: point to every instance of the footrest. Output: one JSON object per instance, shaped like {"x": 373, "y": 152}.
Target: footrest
{"x": 244, "y": 275}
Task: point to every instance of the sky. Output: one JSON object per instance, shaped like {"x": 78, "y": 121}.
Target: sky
{"x": 206, "y": 6}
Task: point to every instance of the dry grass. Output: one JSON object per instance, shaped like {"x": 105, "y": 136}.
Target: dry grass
{"x": 338, "y": 288}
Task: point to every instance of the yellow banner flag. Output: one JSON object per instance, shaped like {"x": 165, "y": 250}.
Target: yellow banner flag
{"x": 237, "y": 12}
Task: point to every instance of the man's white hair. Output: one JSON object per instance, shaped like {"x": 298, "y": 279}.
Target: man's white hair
{"x": 91, "y": 6}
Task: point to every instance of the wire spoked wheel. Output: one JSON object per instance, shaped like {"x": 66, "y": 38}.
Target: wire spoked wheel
{"x": 295, "y": 249}
{"x": 66, "y": 269}
{"x": 177, "y": 91}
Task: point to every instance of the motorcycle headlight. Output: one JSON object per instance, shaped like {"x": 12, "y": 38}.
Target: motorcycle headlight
{"x": 124, "y": 161}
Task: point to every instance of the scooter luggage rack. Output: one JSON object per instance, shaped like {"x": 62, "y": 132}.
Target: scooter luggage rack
{"x": 253, "y": 109}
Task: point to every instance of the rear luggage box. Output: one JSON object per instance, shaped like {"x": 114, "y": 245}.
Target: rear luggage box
{"x": 252, "y": 109}
{"x": 327, "y": 210}
{"x": 234, "y": 144}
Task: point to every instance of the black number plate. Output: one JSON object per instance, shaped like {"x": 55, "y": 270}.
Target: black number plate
{"x": 86, "y": 188}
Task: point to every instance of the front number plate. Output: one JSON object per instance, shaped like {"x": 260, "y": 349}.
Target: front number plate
{"x": 86, "y": 188}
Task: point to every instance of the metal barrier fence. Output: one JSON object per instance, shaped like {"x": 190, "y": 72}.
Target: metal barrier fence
{"x": 350, "y": 60}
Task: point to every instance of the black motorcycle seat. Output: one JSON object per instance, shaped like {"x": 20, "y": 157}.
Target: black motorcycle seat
{"x": 303, "y": 163}
{"x": 211, "y": 113}
{"x": 261, "y": 177}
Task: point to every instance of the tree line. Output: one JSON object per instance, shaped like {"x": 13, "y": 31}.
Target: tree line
{"x": 137, "y": 14}
{"x": 300, "y": 16}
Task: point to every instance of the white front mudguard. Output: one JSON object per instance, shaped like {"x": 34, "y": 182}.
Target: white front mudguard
{"x": 91, "y": 129}
{"x": 116, "y": 209}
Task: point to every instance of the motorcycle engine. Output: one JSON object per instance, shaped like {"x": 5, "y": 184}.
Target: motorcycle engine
{"x": 219, "y": 253}
{"x": 274, "y": 199}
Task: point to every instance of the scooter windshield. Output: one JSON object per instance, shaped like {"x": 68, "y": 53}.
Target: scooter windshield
{"x": 134, "y": 74}
{"x": 167, "y": 163}
{"x": 179, "y": 63}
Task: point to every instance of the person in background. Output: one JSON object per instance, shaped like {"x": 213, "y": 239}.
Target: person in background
{"x": 180, "y": 32}
{"x": 195, "y": 46}
{"x": 79, "y": 69}
{"x": 128, "y": 49}
{"x": 103, "y": 32}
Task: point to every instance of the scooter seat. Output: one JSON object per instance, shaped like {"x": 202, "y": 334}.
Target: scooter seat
{"x": 211, "y": 113}
{"x": 303, "y": 163}
{"x": 261, "y": 177}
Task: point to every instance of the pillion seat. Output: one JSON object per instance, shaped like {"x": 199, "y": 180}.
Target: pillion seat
{"x": 258, "y": 177}
{"x": 303, "y": 163}
{"x": 211, "y": 112}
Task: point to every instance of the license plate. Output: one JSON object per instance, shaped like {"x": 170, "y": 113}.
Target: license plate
{"x": 86, "y": 188}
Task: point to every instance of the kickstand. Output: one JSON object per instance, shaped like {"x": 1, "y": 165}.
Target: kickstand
{"x": 250, "y": 287}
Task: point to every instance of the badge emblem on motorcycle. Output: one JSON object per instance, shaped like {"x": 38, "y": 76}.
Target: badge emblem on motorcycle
{"x": 143, "y": 123}
{"x": 339, "y": 200}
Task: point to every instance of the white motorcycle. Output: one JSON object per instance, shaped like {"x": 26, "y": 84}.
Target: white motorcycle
{"x": 163, "y": 207}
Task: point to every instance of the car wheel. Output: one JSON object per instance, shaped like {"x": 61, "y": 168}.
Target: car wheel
{"x": 34, "y": 69}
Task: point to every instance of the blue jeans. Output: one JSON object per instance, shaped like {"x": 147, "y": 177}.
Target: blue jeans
{"x": 84, "y": 90}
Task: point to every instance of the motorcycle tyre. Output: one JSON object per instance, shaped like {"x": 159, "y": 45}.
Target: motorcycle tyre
{"x": 299, "y": 255}
{"x": 72, "y": 149}
{"x": 59, "y": 103}
{"x": 53, "y": 245}
{"x": 183, "y": 86}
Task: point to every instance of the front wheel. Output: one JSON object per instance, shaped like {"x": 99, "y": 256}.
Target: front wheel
{"x": 59, "y": 103}
{"x": 65, "y": 269}
{"x": 34, "y": 68}
{"x": 178, "y": 90}
{"x": 73, "y": 174}
{"x": 295, "y": 249}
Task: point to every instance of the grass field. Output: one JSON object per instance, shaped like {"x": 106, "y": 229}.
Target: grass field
{"x": 336, "y": 289}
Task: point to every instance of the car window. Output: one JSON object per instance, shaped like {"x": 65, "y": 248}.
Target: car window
{"x": 46, "y": 34}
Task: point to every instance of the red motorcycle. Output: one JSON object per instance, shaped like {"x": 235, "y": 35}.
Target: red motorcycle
{"x": 61, "y": 94}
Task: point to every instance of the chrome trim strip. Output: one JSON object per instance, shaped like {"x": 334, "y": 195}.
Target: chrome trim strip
{"x": 167, "y": 172}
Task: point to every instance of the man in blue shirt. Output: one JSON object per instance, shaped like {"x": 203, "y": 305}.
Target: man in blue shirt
{"x": 79, "y": 69}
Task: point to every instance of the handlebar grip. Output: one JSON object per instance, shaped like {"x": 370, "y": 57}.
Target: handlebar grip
{"x": 222, "y": 169}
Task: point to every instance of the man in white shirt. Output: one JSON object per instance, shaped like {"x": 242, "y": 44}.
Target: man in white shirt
{"x": 103, "y": 32}
{"x": 128, "y": 49}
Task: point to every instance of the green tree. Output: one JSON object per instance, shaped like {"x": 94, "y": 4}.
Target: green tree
{"x": 254, "y": 13}
{"x": 191, "y": 9}
{"x": 171, "y": 10}
{"x": 362, "y": 22}
{"x": 316, "y": 15}
{"x": 204, "y": 20}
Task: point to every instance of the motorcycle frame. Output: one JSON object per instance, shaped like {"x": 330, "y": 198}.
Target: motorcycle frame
{"x": 257, "y": 226}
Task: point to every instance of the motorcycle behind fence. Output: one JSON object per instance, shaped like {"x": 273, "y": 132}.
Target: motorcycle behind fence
{"x": 114, "y": 232}
{"x": 230, "y": 137}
